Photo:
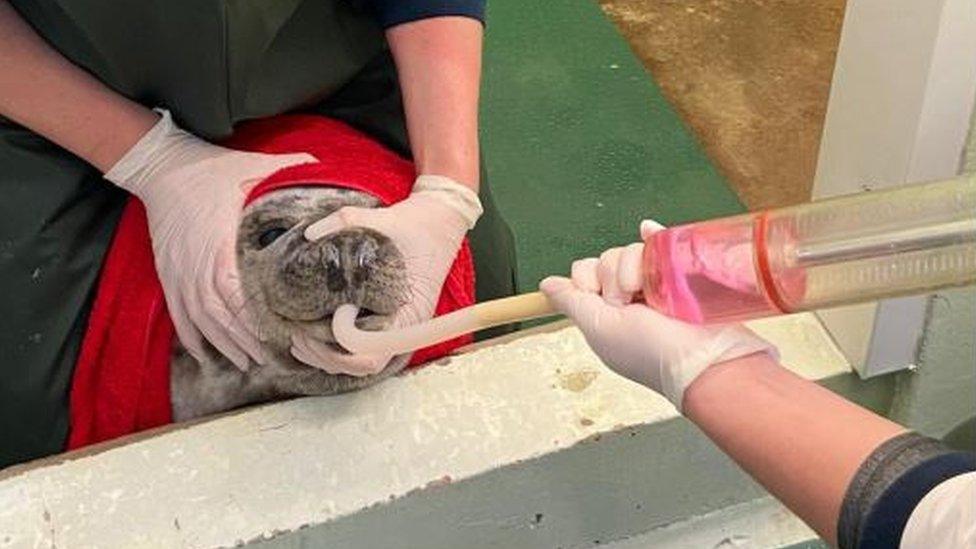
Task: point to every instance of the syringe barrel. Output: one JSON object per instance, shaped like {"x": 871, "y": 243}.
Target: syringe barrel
{"x": 844, "y": 250}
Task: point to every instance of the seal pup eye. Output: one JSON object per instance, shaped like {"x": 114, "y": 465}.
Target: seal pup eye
{"x": 268, "y": 236}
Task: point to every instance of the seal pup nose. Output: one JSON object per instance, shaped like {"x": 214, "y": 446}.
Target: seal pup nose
{"x": 349, "y": 258}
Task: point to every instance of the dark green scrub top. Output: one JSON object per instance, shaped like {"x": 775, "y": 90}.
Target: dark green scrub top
{"x": 213, "y": 63}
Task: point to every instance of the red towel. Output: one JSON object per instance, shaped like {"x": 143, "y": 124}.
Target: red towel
{"x": 121, "y": 381}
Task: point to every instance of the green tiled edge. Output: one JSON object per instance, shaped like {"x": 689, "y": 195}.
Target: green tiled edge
{"x": 812, "y": 544}
{"x": 579, "y": 141}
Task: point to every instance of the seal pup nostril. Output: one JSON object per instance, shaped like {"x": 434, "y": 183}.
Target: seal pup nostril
{"x": 335, "y": 278}
{"x": 367, "y": 252}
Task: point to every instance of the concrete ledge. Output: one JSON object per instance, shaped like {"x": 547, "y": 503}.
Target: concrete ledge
{"x": 530, "y": 442}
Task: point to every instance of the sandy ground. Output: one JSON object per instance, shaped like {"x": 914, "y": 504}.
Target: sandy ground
{"x": 750, "y": 77}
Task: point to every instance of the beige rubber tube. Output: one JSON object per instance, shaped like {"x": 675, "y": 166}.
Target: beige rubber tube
{"x": 463, "y": 321}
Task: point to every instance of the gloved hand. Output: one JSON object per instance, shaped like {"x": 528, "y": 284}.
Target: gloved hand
{"x": 637, "y": 342}
{"x": 427, "y": 228}
{"x": 193, "y": 193}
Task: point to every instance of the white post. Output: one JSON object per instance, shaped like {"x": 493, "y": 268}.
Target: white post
{"x": 900, "y": 102}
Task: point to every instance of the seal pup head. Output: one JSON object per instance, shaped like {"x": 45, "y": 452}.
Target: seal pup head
{"x": 293, "y": 284}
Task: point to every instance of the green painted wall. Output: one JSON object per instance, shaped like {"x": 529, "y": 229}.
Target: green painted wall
{"x": 939, "y": 397}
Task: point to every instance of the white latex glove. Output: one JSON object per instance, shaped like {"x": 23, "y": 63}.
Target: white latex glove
{"x": 194, "y": 192}
{"x": 427, "y": 228}
{"x": 637, "y": 342}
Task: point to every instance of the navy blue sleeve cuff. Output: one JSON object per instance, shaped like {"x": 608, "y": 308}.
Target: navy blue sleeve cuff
{"x": 390, "y": 13}
{"x": 890, "y": 484}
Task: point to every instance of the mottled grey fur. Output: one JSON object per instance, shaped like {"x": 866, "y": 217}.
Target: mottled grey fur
{"x": 292, "y": 283}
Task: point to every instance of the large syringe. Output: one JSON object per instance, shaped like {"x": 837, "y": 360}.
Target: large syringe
{"x": 845, "y": 250}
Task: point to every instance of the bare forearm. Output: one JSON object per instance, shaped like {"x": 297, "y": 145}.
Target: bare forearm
{"x": 43, "y": 91}
{"x": 439, "y": 64}
{"x": 799, "y": 440}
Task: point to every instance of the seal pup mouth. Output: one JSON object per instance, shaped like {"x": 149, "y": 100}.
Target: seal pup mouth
{"x": 364, "y": 318}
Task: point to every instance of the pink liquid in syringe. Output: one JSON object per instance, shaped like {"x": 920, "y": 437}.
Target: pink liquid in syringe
{"x": 704, "y": 273}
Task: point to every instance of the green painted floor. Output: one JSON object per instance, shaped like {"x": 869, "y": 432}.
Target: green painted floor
{"x": 580, "y": 143}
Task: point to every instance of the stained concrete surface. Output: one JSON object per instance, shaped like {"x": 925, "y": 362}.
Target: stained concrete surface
{"x": 749, "y": 77}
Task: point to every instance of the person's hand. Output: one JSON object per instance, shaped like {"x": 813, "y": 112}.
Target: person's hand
{"x": 193, "y": 193}
{"x": 428, "y": 228}
{"x": 637, "y": 342}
